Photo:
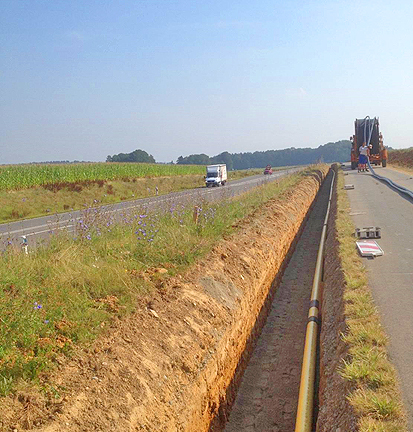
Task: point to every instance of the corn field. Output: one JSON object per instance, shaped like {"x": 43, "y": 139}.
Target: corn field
{"x": 14, "y": 177}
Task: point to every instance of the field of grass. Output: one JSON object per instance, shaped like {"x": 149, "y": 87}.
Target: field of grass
{"x": 376, "y": 399}
{"x": 40, "y": 201}
{"x": 60, "y": 197}
{"x": 15, "y": 177}
{"x": 64, "y": 293}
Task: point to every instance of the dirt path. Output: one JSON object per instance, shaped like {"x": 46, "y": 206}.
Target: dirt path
{"x": 267, "y": 398}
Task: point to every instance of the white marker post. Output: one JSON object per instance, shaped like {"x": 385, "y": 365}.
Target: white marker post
{"x": 24, "y": 244}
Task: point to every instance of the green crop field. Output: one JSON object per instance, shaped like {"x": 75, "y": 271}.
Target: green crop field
{"x": 15, "y": 177}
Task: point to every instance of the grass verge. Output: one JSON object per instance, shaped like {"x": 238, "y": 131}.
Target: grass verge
{"x": 64, "y": 293}
{"x": 376, "y": 398}
{"x": 402, "y": 168}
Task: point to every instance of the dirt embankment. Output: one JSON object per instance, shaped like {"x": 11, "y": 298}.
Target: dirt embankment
{"x": 169, "y": 367}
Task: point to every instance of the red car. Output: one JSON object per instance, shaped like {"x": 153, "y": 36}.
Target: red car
{"x": 268, "y": 169}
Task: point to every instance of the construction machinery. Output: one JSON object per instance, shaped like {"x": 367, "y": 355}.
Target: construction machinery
{"x": 367, "y": 131}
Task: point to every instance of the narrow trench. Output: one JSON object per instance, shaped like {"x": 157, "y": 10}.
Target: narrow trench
{"x": 268, "y": 391}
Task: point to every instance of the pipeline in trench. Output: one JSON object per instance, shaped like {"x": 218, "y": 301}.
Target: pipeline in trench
{"x": 266, "y": 386}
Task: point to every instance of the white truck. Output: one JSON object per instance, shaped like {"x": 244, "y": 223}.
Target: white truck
{"x": 216, "y": 175}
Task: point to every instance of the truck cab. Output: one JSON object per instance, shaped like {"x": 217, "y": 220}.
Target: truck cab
{"x": 216, "y": 175}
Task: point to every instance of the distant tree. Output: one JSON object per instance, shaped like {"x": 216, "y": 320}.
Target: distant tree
{"x": 194, "y": 159}
{"x": 136, "y": 156}
{"x": 225, "y": 158}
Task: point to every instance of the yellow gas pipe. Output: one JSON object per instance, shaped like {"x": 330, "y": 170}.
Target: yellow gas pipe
{"x": 304, "y": 420}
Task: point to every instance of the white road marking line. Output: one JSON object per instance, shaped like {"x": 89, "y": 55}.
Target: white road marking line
{"x": 50, "y": 230}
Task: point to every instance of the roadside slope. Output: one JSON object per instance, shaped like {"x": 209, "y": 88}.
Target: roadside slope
{"x": 168, "y": 367}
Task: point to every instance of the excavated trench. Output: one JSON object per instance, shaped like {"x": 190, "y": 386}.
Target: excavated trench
{"x": 268, "y": 394}
{"x": 179, "y": 361}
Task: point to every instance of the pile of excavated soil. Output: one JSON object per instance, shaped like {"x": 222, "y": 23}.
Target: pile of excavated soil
{"x": 169, "y": 365}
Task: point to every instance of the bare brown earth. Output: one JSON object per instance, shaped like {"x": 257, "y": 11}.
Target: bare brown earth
{"x": 169, "y": 366}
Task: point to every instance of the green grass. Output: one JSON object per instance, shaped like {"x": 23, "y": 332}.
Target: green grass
{"x": 64, "y": 293}
{"x": 376, "y": 398}
{"x": 378, "y": 405}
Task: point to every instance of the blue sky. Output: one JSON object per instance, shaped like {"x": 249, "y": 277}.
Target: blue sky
{"x": 85, "y": 79}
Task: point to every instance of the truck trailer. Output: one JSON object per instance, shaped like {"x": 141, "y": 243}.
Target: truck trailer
{"x": 367, "y": 130}
{"x": 216, "y": 175}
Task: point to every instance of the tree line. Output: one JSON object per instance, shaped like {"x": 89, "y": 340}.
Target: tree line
{"x": 135, "y": 156}
{"x": 331, "y": 152}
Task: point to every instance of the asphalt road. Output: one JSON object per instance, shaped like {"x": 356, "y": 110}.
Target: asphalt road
{"x": 40, "y": 228}
{"x": 374, "y": 203}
